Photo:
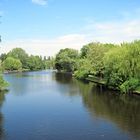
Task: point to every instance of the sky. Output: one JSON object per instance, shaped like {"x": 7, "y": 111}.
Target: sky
{"x": 43, "y": 27}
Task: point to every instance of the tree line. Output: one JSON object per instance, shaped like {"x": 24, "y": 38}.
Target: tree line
{"x": 117, "y": 65}
{"x": 18, "y": 60}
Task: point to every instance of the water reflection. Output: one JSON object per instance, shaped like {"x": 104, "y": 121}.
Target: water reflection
{"x": 2, "y": 99}
{"x": 62, "y": 78}
{"x": 22, "y": 83}
{"x": 122, "y": 110}
{"x": 18, "y": 83}
{"x": 55, "y": 101}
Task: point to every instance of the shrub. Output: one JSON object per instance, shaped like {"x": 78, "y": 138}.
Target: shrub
{"x": 3, "y": 83}
{"x": 129, "y": 85}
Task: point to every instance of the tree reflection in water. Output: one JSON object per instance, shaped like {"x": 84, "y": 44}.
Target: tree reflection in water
{"x": 2, "y": 99}
{"x": 122, "y": 110}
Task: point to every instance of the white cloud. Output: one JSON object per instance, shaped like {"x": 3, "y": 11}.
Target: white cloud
{"x": 106, "y": 32}
{"x": 124, "y": 29}
{"x": 40, "y": 2}
{"x": 48, "y": 47}
{"x": 114, "y": 31}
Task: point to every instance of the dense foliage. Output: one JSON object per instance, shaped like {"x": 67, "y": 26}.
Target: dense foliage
{"x": 3, "y": 83}
{"x": 18, "y": 59}
{"x": 19, "y": 54}
{"x": 92, "y": 59}
{"x": 11, "y": 64}
{"x": 122, "y": 66}
{"x": 117, "y": 65}
{"x": 50, "y": 63}
{"x": 35, "y": 63}
{"x": 66, "y": 60}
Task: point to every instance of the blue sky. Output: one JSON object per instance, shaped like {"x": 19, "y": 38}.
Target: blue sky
{"x": 45, "y": 26}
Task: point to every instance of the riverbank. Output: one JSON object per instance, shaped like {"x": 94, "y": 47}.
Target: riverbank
{"x": 15, "y": 71}
{"x": 102, "y": 82}
{"x": 137, "y": 91}
{"x": 90, "y": 78}
{"x": 3, "y": 84}
{"x": 18, "y": 71}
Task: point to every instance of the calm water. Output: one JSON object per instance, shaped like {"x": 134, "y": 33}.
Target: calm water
{"x": 52, "y": 106}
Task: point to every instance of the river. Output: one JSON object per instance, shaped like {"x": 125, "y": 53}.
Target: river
{"x": 46, "y": 105}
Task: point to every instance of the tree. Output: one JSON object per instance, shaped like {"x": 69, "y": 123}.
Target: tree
{"x": 83, "y": 69}
{"x": 3, "y": 56}
{"x": 35, "y": 63}
{"x": 122, "y": 66}
{"x": 20, "y": 54}
{"x": 92, "y": 55}
{"x": 66, "y": 60}
{"x": 12, "y": 64}
{"x": 3, "y": 83}
{"x": 49, "y": 63}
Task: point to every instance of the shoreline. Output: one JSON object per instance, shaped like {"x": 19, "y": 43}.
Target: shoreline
{"x": 103, "y": 83}
{"x": 91, "y": 79}
{"x": 98, "y": 81}
{"x": 19, "y": 71}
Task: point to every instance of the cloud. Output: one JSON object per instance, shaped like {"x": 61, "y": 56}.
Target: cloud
{"x": 114, "y": 31}
{"x": 48, "y": 47}
{"x": 124, "y": 29}
{"x": 117, "y": 31}
{"x": 40, "y": 2}
{"x": 105, "y": 32}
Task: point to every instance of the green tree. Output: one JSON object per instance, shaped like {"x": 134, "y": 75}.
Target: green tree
{"x": 66, "y": 60}
{"x": 20, "y": 54}
{"x": 35, "y": 63}
{"x": 83, "y": 69}
{"x": 122, "y": 66}
{"x": 49, "y": 63}
{"x": 12, "y": 64}
{"x": 92, "y": 55}
{"x": 3, "y": 83}
{"x": 3, "y": 56}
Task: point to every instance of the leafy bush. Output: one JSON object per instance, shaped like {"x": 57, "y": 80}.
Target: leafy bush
{"x": 3, "y": 83}
{"x": 66, "y": 60}
{"x": 12, "y": 64}
{"x": 129, "y": 85}
{"x": 81, "y": 74}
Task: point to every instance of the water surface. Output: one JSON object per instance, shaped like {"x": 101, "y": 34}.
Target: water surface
{"x": 46, "y": 105}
